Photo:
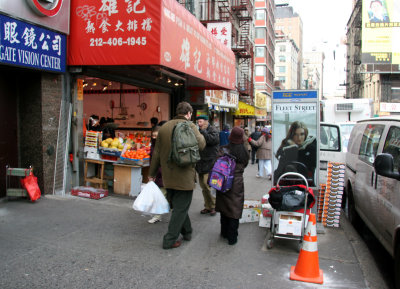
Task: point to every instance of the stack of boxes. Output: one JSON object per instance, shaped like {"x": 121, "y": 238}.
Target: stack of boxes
{"x": 330, "y": 201}
{"x": 92, "y": 140}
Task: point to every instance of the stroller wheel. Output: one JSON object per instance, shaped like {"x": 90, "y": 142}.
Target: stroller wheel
{"x": 270, "y": 244}
{"x": 299, "y": 246}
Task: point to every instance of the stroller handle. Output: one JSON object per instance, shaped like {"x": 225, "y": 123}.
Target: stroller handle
{"x": 292, "y": 174}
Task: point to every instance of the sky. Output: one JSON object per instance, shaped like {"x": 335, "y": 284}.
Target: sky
{"x": 324, "y": 24}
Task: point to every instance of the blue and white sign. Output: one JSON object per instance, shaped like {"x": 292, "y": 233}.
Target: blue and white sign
{"x": 293, "y": 94}
{"x": 27, "y": 45}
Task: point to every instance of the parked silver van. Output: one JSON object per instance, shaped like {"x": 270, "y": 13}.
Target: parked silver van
{"x": 372, "y": 181}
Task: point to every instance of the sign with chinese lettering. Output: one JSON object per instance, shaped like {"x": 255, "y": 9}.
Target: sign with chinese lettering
{"x": 222, "y": 98}
{"x": 222, "y": 31}
{"x": 244, "y": 109}
{"x": 295, "y": 138}
{"x": 31, "y": 46}
{"x": 261, "y": 99}
{"x": 389, "y": 107}
{"x": 156, "y": 32}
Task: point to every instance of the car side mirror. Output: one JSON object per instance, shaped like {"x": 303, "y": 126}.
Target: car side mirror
{"x": 383, "y": 165}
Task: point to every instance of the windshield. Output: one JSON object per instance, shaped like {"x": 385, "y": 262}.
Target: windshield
{"x": 345, "y": 129}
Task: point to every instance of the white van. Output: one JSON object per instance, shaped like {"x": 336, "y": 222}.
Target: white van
{"x": 372, "y": 181}
{"x": 331, "y": 148}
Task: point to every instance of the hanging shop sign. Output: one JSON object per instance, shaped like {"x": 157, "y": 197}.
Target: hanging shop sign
{"x": 295, "y": 141}
{"x": 157, "y": 32}
{"x": 260, "y": 100}
{"x": 222, "y": 98}
{"x": 222, "y": 31}
{"x": 260, "y": 113}
{"x": 244, "y": 109}
{"x": 53, "y": 14}
{"x": 27, "y": 45}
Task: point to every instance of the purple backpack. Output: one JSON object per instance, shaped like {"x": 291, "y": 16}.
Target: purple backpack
{"x": 222, "y": 174}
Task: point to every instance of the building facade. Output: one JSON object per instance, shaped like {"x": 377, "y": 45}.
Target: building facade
{"x": 290, "y": 24}
{"x": 369, "y": 76}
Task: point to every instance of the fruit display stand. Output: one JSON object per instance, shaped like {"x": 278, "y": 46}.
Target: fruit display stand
{"x": 13, "y": 183}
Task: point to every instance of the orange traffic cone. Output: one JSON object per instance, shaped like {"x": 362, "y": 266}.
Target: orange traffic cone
{"x": 307, "y": 267}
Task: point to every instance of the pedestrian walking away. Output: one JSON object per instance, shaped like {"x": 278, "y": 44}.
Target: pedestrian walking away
{"x": 264, "y": 152}
{"x": 255, "y": 135}
{"x": 207, "y": 160}
{"x": 224, "y": 134}
{"x": 230, "y": 204}
{"x": 178, "y": 180}
{"x": 246, "y": 136}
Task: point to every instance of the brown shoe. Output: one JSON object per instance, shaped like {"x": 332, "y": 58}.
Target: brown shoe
{"x": 205, "y": 211}
{"x": 213, "y": 212}
{"x": 175, "y": 245}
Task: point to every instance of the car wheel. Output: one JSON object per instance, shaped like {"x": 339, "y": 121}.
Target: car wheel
{"x": 397, "y": 266}
{"x": 352, "y": 214}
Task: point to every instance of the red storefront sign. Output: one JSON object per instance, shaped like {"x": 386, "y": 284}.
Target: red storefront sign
{"x": 147, "y": 32}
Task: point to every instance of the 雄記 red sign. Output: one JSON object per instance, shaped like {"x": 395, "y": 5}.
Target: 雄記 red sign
{"x": 147, "y": 32}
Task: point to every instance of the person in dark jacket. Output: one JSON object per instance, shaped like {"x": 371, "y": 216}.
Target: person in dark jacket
{"x": 179, "y": 181}
{"x": 255, "y": 135}
{"x": 158, "y": 178}
{"x": 224, "y": 135}
{"x": 230, "y": 203}
{"x": 207, "y": 160}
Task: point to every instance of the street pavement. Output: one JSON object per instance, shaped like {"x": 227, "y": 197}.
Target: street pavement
{"x": 72, "y": 242}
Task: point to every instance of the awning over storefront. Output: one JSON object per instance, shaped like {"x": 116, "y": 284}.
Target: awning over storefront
{"x": 160, "y": 34}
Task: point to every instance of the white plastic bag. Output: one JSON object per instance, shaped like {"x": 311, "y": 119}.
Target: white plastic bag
{"x": 151, "y": 200}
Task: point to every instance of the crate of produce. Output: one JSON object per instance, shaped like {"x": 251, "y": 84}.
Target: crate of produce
{"x": 128, "y": 161}
{"x": 89, "y": 192}
{"x": 109, "y": 152}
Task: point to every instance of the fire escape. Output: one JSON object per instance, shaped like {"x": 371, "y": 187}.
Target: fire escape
{"x": 239, "y": 13}
{"x": 242, "y": 10}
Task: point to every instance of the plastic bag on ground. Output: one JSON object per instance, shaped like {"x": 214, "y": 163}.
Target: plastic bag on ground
{"x": 151, "y": 200}
{"x": 31, "y": 185}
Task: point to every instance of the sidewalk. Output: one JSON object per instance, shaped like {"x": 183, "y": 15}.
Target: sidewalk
{"x": 72, "y": 242}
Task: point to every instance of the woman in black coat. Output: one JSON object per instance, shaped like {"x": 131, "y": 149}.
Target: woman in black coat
{"x": 230, "y": 203}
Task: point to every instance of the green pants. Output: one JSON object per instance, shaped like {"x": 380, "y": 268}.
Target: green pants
{"x": 209, "y": 200}
{"x": 180, "y": 222}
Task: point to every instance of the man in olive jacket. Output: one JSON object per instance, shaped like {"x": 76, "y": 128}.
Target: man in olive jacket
{"x": 178, "y": 181}
{"x": 206, "y": 163}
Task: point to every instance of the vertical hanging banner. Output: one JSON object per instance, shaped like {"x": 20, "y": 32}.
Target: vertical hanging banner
{"x": 144, "y": 32}
{"x": 31, "y": 46}
{"x": 295, "y": 134}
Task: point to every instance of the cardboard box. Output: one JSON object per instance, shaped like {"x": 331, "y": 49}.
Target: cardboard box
{"x": 127, "y": 179}
{"x": 89, "y": 192}
{"x": 265, "y": 222}
{"x": 250, "y": 215}
{"x": 251, "y": 204}
{"x": 290, "y": 223}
